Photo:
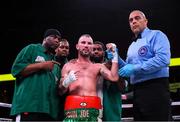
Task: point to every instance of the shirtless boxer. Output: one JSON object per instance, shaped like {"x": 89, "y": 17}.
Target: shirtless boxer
{"x": 79, "y": 80}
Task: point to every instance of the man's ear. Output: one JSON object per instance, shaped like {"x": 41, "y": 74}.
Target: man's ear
{"x": 77, "y": 47}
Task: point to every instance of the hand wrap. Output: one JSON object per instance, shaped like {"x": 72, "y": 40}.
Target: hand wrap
{"x": 71, "y": 77}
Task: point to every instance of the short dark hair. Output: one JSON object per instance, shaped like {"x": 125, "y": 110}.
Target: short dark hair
{"x": 100, "y": 43}
{"x": 63, "y": 40}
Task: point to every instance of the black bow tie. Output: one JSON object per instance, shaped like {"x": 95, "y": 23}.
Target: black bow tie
{"x": 135, "y": 38}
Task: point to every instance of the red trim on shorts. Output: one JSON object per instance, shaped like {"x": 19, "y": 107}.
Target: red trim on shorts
{"x": 74, "y": 102}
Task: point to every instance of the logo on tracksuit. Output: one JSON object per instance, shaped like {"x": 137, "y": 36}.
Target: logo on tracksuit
{"x": 143, "y": 51}
{"x": 39, "y": 59}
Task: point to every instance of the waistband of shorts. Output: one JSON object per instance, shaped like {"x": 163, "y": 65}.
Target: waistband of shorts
{"x": 76, "y": 102}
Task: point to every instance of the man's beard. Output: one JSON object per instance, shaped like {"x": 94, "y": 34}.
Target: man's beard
{"x": 82, "y": 53}
{"x": 97, "y": 59}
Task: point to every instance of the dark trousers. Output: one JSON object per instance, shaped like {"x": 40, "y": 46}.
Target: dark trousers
{"x": 35, "y": 117}
{"x": 152, "y": 100}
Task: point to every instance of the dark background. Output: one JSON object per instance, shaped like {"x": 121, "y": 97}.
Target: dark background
{"x": 24, "y": 22}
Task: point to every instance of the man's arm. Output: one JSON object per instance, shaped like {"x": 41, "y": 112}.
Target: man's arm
{"x": 67, "y": 77}
{"x": 64, "y": 72}
{"x": 32, "y": 68}
{"x": 162, "y": 55}
{"x": 112, "y": 74}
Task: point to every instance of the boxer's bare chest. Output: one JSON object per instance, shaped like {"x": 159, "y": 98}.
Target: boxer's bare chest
{"x": 85, "y": 68}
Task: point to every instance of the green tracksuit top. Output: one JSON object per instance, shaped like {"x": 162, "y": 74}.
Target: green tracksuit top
{"x": 38, "y": 91}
